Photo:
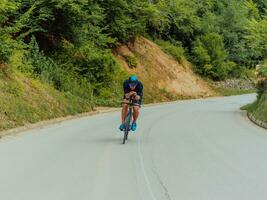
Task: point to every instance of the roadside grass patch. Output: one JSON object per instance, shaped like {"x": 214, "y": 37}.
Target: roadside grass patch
{"x": 234, "y": 91}
{"x": 259, "y": 108}
{"x": 24, "y": 100}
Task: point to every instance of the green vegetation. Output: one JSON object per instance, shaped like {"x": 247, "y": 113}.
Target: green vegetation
{"x": 68, "y": 44}
{"x": 175, "y": 50}
{"x": 131, "y": 61}
{"x": 234, "y": 91}
{"x": 25, "y": 100}
{"x": 218, "y": 36}
{"x": 222, "y": 38}
{"x": 210, "y": 56}
{"x": 259, "y": 108}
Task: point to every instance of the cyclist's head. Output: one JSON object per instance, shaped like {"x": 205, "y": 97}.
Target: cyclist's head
{"x": 133, "y": 81}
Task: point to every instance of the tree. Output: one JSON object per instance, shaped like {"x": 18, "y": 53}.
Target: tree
{"x": 183, "y": 23}
{"x": 7, "y": 43}
{"x": 126, "y": 19}
{"x": 210, "y": 56}
{"x": 256, "y": 38}
{"x": 262, "y": 6}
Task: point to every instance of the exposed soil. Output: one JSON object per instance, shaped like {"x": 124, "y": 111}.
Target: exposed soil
{"x": 160, "y": 73}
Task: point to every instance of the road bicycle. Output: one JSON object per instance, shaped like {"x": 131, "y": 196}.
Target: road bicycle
{"x": 128, "y": 120}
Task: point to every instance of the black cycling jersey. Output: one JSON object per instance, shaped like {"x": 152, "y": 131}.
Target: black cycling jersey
{"x": 138, "y": 89}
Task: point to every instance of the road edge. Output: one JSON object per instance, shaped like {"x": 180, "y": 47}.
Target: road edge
{"x": 256, "y": 121}
{"x": 42, "y": 124}
{"x": 45, "y": 123}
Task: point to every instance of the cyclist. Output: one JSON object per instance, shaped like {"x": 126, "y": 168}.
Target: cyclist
{"x": 132, "y": 88}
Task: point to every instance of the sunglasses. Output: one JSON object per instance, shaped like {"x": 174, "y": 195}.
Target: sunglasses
{"x": 132, "y": 85}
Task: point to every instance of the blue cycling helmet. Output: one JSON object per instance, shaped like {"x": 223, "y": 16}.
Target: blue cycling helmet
{"x": 133, "y": 81}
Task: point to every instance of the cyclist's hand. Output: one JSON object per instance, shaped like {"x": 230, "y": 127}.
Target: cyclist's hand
{"x": 127, "y": 96}
{"x": 136, "y": 97}
{"x": 133, "y": 93}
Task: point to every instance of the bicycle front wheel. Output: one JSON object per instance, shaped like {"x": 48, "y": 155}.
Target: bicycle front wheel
{"x": 127, "y": 125}
{"x": 125, "y": 137}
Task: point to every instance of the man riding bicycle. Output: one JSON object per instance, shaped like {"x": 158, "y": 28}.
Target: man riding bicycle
{"x": 133, "y": 88}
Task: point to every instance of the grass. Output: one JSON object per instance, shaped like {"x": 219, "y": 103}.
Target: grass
{"x": 259, "y": 108}
{"x": 24, "y": 100}
{"x": 175, "y": 50}
{"x": 232, "y": 91}
{"x": 131, "y": 61}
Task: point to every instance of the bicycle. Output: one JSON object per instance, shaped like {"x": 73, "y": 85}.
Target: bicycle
{"x": 128, "y": 119}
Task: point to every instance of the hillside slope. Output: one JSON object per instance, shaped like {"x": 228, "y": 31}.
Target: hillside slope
{"x": 260, "y": 111}
{"x": 164, "y": 78}
{"x": 24, "y": 100}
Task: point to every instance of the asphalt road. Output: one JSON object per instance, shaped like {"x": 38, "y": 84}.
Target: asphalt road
{"x": 188, "y": 150}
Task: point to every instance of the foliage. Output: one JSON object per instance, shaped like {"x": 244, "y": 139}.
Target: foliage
{"x": 180, "y": 21}
{"x": 7, "y": 44}
{"x": 131, "y": 60}
{"x": 259, "y": 108}
{"x": 126, "y": 19}
{"x": 174, "y": 49}
{"x": 69, "y": 43}
{"x": 211, "y": 57}
{"x": 262, "y": 79}
{"x": 256, "y": 38}
{"x": 24, "y": 100}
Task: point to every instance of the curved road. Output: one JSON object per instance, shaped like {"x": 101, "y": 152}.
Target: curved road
{"x": 188, "y": 150}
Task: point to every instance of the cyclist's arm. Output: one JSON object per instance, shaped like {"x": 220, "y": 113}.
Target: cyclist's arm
{"x": 130, "y": 94}
{"x": 140, "y": 91}
{"x": 125, "y": 89}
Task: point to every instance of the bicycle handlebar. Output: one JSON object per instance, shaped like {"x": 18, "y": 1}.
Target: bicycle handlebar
{"x": 130, "y": 102}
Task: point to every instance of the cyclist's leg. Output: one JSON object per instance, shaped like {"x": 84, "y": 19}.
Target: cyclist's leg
{"x": 136, "y": 110}
{"x": 124, "y": 111}
{"x": 135, "y": 113}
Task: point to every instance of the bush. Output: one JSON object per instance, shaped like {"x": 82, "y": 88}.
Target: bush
{"x": 262, "y": 80}
{"x": 126, "y": 19}
{"x": 176, "y": 49}
{"x": 7, "y": 43}
{"x": 39, "y": 66}
{"x": 210, "y": 57}
{"x": 131, "y": 61}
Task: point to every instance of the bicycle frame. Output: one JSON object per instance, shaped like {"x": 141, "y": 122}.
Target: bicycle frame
{"x": 128, "y": 120}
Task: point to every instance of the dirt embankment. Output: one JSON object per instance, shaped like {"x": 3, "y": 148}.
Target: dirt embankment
{"x": 164, "y": 78}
